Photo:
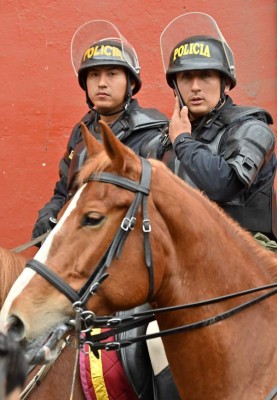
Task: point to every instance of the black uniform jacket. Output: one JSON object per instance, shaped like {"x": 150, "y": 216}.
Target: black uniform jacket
{"x": 138, "y": 128}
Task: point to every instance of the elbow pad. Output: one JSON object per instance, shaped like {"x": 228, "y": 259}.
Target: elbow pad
{"x": 248, "y": 148}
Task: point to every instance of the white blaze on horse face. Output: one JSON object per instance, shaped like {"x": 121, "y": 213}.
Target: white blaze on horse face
{"x": 42, "y": 254}
{"x": 27, "y": 274}
{"x": 16, "y": 289}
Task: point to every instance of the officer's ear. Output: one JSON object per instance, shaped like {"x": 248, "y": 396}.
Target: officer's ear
{"x": 227, "y": 87}
{"x": 133, "y": 84}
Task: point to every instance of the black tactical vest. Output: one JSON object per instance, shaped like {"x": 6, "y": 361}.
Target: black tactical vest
{"x": 258, "y": 212}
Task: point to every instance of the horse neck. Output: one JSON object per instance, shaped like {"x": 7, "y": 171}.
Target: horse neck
{"x": 205, "y": 248}
{"x": 203, "y": 255}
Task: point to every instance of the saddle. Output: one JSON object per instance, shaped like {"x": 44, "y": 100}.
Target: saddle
{"x": 125, "y": 374}
{"x": 104, "y": 377}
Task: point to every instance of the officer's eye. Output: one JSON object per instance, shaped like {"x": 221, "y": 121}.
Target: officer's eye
{"x": 186, "y": 75}
{"x": 206, "y": 74}
{"x": 92, "y": 74}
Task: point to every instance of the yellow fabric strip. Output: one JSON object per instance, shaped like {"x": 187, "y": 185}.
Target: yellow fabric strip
{"x": 96, "y": 372}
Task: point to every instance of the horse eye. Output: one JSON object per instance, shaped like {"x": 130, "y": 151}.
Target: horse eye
{"x": 92, "y": 219}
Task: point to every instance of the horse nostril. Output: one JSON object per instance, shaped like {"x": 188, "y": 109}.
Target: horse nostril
{"x": 16, "y": 328}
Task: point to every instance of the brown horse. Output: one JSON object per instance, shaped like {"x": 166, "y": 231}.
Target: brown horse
{"x": 197, "y": 252}
{"x": 56, "y": 383}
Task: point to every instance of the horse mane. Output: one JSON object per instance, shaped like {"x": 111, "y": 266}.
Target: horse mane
{"x": 11, "y": 265}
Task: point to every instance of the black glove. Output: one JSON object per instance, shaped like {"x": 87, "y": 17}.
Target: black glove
{"x": 44, "y": 223}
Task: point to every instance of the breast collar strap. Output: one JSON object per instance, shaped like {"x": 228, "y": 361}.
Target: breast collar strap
{"x": 142, "y": 190}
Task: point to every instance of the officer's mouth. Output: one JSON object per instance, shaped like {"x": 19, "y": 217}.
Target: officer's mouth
{"x": 102, "y": 95}
{"x": 196, "y": 101}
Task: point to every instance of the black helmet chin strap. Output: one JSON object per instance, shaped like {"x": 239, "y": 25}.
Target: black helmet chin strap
{"x": 222, "y": 98}
{"x": 88, "y": 101}
{"x": 220, "y": 101}
{"x": 178, "y": 94}
{"x": 211, "y": 114}
{"x": 128, "y": 96}
{"x": 108, "y": 114}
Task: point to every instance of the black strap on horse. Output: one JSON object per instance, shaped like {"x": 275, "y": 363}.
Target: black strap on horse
{"x": 99, "y": 275}
{"x": 118, "y": 325}
{"x": 272, "y": 395}
{"x": 31, "y": 243}
{"x": 142, "y": 190}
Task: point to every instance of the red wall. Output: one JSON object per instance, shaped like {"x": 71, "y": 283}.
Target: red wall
{"x": 41, "y": 101}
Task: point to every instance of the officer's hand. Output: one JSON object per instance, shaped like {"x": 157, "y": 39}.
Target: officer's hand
{"x": 44, "y": 224}
{"x": 180, "y": 122}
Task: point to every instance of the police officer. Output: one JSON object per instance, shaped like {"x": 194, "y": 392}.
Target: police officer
{"x": 222, "y": 149}
{"x": 109, "y": 73}
{"x": 225, "y": 150}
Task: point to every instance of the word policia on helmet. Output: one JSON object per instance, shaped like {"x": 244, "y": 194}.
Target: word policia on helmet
{"x": 109, "y": 51}
{"x": 192, "y": 48}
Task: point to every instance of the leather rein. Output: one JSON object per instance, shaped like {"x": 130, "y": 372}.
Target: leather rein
{"x": 31, "y": 243}
{"x": 86, "y": 320}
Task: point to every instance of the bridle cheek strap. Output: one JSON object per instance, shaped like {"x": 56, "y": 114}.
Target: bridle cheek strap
{"x": 127, "y": 225}
{"x": 142, "y": 190}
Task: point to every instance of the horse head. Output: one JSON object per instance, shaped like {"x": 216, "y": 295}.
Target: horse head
{"x": 134, "y": 232}
{"x": 75, "y": 248}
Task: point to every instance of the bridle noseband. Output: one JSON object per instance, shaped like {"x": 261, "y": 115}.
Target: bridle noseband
{"x": 114, "y": 250}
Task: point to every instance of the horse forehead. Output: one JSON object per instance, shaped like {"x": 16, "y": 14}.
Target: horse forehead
{"x": 43, "y": 252}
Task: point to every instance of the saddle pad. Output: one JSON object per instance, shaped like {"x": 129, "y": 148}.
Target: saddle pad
{"x": 104, "y": 378}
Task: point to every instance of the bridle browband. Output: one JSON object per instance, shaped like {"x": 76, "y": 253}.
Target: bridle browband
{"x": 99, "y": 274}
{"x": 118, "y": 325}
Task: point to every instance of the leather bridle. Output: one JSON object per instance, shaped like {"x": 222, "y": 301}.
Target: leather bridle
{"x": 99, "y": 274}
{"x": 117, "y": 325}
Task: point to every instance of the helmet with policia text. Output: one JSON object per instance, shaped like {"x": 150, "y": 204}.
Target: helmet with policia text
{"x": 193, "y": 41}
{"x": 99, "y": 43}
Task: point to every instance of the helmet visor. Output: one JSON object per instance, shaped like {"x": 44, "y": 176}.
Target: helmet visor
{"x": 191, "y": 25}
{"x": 110, "y": 46}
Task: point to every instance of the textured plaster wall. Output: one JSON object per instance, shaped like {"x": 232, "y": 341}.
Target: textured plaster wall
{"x": 40, "y": 98}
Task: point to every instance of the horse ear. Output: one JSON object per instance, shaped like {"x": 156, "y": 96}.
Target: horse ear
{"x": 118, "y": 152}
{"x": 92, "y": 145}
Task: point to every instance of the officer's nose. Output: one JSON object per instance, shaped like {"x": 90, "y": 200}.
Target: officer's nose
{"x": 195, "y": 84}
{"x": 102, "y": 80}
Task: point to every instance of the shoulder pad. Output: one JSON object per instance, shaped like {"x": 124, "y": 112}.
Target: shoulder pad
{"x": 88, "y": 117}
{"x": 235, "y": 113}
{"x": 76, "y": 133}
{"x": 146, "y": 118}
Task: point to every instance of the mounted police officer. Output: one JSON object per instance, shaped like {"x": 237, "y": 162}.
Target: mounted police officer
{"x": 108, "y": 71}
{"x": 222, "y": 149}
{"x": 225, "y": 150}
